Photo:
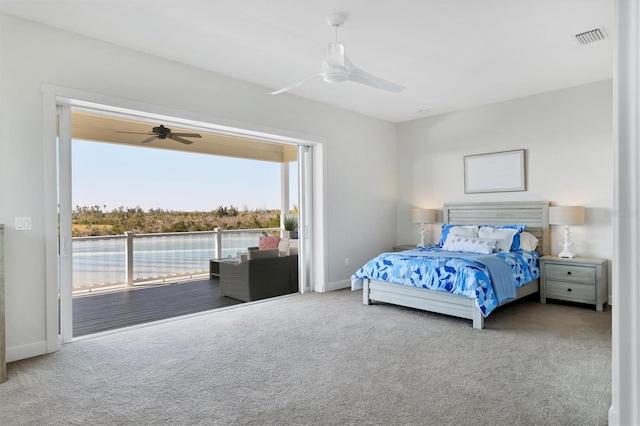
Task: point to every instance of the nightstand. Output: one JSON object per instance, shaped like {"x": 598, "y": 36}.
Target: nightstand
{"x": 404, "y": 247}
{"x": 580, "y": 279}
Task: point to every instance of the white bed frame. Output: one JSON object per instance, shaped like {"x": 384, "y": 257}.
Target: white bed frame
{"x": 533, "y": 214}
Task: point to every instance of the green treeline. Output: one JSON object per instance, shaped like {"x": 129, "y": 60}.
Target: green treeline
{"x": 91, "y": 221}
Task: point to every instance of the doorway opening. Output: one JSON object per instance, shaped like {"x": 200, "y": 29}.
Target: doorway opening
{"x": 79, "y": 121}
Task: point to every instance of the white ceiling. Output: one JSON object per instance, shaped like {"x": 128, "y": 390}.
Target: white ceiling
{"x": 449, "y": 54}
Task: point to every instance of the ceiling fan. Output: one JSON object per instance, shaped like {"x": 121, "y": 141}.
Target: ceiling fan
{"x": 336, "y": 68}
{"x": 162, "y": 132}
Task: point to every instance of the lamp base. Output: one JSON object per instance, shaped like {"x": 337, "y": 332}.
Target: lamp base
{"x": 422, "y": 235}
{"x": 566, "y": 254}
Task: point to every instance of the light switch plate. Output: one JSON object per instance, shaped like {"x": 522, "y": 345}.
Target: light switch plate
{"x": 23, "y": 224}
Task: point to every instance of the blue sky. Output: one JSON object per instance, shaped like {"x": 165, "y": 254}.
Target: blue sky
{"x": 130, "y": 176}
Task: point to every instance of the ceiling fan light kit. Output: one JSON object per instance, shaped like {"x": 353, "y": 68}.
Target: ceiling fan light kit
{"x": 335, "y": 77}
{"x": 336, "y": 67}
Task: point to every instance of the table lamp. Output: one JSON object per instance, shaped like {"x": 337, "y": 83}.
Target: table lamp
{"x": 423, "y": 216}
{"x": 566, "y": 215}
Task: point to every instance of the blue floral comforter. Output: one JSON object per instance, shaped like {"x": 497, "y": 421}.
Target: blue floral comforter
{"x": 441, "y": 270}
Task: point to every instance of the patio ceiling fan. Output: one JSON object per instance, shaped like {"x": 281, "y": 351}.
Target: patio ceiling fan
{"x": 162, "y": 132}
{"x": 336, "y": 67}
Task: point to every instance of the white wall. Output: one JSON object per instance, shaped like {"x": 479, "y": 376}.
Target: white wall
{"x": 567, "y": 135}
{"x": 33, "y": 54}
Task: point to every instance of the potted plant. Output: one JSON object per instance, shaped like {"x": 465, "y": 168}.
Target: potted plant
{"x": 290, "y": 226}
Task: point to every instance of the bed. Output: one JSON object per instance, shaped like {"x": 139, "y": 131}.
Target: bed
{"x": 535, "y": 215}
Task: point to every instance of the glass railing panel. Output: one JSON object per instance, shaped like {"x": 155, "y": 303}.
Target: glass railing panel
{"x": 157, "y": 256}
{"x": 98, "y": 261}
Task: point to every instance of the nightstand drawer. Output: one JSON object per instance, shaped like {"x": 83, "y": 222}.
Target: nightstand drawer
{"x": 573, "y": 273}
{"x": 568, "y": 291}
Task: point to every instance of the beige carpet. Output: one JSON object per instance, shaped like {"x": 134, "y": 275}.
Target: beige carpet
{"x": 326, "y": 359}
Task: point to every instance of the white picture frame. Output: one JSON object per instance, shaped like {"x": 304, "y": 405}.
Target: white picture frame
{"x": 495, "y": 172}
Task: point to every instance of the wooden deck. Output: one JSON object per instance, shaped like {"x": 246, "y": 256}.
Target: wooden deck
{"x": 108, "y": 311}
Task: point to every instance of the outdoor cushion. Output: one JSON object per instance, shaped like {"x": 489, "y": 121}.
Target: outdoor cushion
{"x": 270, "y": 242}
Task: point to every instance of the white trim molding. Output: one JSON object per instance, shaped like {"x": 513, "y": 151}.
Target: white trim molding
{"x": 337, "y": 285}
{"x": 16, "y": 353}
{"x": 625, "y": 341}
{"x": 74, "y": 98}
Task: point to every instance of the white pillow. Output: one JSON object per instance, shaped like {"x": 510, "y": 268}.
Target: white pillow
{"x": 470, "y": 245}
{"x": 503, "y": 236}
{"x": 469, "y": 231}
{"x": 528, "y": 241}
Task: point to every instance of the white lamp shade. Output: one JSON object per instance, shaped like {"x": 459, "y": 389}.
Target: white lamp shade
{"x": 423, "y": 215}
{"x": 566, "y": 215}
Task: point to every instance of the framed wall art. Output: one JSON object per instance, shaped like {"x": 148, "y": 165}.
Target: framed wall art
{"x": 495, "y": 172}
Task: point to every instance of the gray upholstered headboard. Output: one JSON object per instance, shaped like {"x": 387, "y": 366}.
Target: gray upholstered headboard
{"x": 534, "y": 214}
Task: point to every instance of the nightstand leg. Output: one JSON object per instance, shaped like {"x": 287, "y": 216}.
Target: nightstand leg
{"x": 600, "y": 308}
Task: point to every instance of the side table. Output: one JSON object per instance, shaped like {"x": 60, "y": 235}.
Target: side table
{"x": 214, "y": 266}
{"x": 579, "y": 279}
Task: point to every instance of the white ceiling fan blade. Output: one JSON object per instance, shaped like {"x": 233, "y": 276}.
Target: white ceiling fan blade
{"x": 293, "y": 86}
{"x": 360, "y": 76}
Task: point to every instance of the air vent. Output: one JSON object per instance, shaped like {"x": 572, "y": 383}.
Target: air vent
{"x": 590, "y": 36}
